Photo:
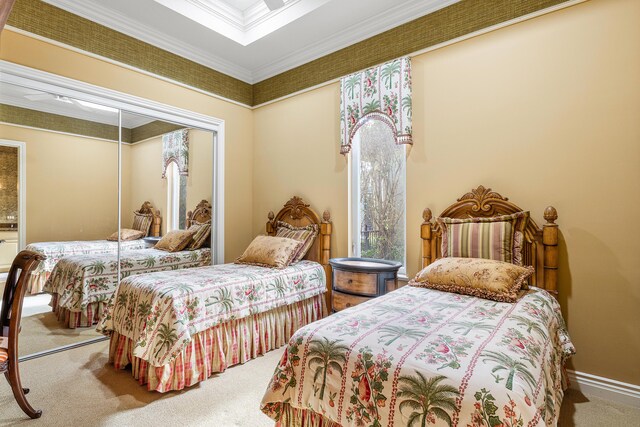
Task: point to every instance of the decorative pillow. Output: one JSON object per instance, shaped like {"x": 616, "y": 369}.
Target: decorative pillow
{"x": 488, "y": 238}
{"x": 201, "y": 232}
{"x": 270, "y": 251}
{"x": 307, "y": 235}
{"x": 484, "y": 278}
{"x": 126, "y": 234}
{"x": 175, "y": 240}
{"x": 142, "y": 222}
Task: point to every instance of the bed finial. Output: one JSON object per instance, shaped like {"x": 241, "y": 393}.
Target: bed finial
{"x": 550, "y": 214}
{"x": 326, "y": 216}
{"x": 271, "y": 215}
{"x": 427, "y": 215}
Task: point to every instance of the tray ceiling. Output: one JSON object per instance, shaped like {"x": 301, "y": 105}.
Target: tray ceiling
{"x": 244, "y": 38}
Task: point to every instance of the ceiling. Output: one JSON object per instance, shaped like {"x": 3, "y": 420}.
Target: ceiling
{"x": 32, "y": 99}
{"x": 243, "y": 38}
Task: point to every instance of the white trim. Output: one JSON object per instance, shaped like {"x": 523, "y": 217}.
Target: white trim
{"x": 121, "y": 64}
{"x": 605, "y": 388}
{"x": 22, "y": 193}
{"x": 51, "y": 83}
{"x": 440, "y": 46}
{"x": 136, "y": 29}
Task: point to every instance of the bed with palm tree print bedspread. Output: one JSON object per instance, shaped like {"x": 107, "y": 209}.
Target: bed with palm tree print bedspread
{"x": 418, "y": 357}
{"x": 162, "y": 312}
{"x": 81, "y": 280}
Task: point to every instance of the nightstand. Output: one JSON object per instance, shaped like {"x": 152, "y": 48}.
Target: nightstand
{"x": 151, "y": 240}
{"x": 356, "y": 280}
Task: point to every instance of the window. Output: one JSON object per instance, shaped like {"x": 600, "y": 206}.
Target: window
{"x": 378, "y": 187}
{"x": 176, "y": 198}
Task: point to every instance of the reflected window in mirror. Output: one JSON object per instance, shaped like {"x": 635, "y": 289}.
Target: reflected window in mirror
{"x": 176, "y": 198}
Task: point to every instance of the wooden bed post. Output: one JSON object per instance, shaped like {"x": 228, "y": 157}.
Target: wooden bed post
{"x": 271, "y": 224}
{"x": 550, "y": 243}
{"x": 425, "y": 235}
{"x": 325, "y": 234}
{"x": 156, "y": 224}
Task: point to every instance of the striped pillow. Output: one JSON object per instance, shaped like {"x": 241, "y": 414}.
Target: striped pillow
{"x": 488, "y": 238}
{"x": 306, "y": 235}
{"x": 202, "y": 233}
{"x": 142, "y": 222}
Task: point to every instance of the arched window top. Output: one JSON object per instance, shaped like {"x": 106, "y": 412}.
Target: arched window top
{"x": 175, "y": 149}
{"x": 383, "y": 93}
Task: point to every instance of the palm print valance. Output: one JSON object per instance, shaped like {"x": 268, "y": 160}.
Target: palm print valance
{"x": 383, "y": 93}
{"x": 175, "y": 148}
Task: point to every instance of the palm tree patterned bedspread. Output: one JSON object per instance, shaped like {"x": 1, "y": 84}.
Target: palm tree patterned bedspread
{"x": 54, "y": 251}
{"x": 418, "y": 357}
{"x": 161, "y": 312}
{"x": 81, "y": 280}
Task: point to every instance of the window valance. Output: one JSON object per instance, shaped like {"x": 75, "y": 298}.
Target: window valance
{"x": 175, "y": 148}
{"x": 382, "y": 92}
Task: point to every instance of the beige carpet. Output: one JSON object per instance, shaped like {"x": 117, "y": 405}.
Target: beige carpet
{"x": 77, "y": 388}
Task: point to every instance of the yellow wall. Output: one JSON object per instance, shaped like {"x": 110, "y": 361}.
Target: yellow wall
{"x": 33, "y": 53}
{"x": 72, "y": 185}
{"x": 545, "y": 112}
{"x": 145, "y": 182}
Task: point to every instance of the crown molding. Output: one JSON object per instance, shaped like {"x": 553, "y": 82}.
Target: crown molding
{"x": 391, "y": 18}
{"x": 133, "y": 28}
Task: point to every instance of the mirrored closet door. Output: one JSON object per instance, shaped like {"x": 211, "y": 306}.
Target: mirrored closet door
{"x": 94, "y": 186}
{"x": 59, "y": 197}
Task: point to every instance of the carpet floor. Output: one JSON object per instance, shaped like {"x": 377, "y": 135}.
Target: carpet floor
{"x": 78, "y": 387}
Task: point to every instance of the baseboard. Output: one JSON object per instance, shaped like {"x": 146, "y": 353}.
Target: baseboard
{"x": 605, "y": 388}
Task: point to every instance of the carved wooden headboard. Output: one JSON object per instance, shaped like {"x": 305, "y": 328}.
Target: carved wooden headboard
{"x": 298, "y": 213}
{"x": 148, "y": 209}
{"x": 201, "y": 214}
{"x": 540, "y": 247}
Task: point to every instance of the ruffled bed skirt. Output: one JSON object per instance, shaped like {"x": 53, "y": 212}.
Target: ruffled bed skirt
{"x": 217, "y": 348}
{"x": 297, "y": 417}
{"x": 36, "y": 281}
{"x": 85, "y": 318}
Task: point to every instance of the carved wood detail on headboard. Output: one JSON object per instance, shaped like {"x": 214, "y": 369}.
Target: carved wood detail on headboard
{"x": 202, "y": 213}
{"x": 298, "y": 213}
{"x": 540, "y": 246}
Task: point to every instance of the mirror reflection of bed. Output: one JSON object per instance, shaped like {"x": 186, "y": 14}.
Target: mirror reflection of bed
{"x": 72, "y": 196}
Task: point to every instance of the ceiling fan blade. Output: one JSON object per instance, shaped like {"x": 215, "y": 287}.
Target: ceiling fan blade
{"x": 274, "y": 4}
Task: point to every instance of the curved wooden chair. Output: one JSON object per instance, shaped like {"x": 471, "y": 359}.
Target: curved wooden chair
{"x": 10, "y": 316}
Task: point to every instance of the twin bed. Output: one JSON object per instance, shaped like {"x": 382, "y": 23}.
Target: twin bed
{"x": 177, "y": 328}
{"x": 419, "y": 356}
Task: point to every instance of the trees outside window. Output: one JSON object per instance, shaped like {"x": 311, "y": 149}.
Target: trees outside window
{"x": 378, "y": 168}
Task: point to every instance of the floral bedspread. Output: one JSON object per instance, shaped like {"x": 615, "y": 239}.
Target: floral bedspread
{"x": 83, "y": 279}
{"x": 160, "y": 312}
{"x": 54, "y": 251}
{"x": 419, "y": 357}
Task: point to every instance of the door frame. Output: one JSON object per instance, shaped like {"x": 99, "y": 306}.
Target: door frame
{"x": 22, "y": 189}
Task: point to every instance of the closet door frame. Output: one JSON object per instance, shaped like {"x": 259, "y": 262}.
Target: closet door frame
{"x": 52, "y": 83}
